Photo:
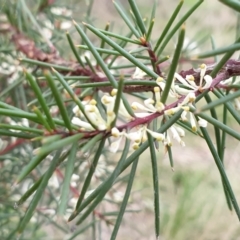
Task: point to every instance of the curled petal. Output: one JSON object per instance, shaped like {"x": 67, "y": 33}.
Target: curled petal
{"x": 203, "y": 68}
{"x": 208, "y": 79}
{"x": 159, "y": 106}
{"x": 124, "y": 113}
{"x": 189, "y": 98}
{"x": 115, "y": 132}
{"x": 183, "y": 91}
{"x": 82, "y": 124}
{"x": 192, "y": 121}
{"x": 135, "y": 136}
{"x": 136, "y": 106}
{"x": 202, "y": 122}
{"x": 115, "y": 145}
{"x": 176, "y": 136}
{"x": 95, "y": 118}
{"x": 190, "y": 79}
{"x": 141, "y": 115}
{"x": 149, "y": 104}
{"x": 167, "y": 141}
{"x": 183, "y": 81}
{"x": 180, "y": 131}
{"x": 156, "y": 135}
{"x": 171, "y": 111}
{"x": 184, "y": 116}
{"x": 138, "y": 73}
{"x": 107, "y": 99}
{"x": 157, "y": 94}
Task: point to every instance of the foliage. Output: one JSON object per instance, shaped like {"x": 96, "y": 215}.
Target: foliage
{"x": 73, "y": 131}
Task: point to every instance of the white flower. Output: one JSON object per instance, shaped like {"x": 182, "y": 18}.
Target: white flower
{"x": 202, "y": 122}
{"x": 82, "y": 124}
{"x": 94, "y": 115}
{"x": 176, "y": 136}
{"x": 138, "y": 74}
{"x": 190, "y": 84}
{"x": 109, "y": 102}
{"x": 161, "y": 83}
{"x": 150, "y": 105}
{"x": 172, "y": 111}
{"x": 193, "y": 122}
{"x": 156, "y": 135}
{"x": 115, "y": 145}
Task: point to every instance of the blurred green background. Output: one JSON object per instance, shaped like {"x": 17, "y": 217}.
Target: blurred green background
{"x": 193, "y": 204}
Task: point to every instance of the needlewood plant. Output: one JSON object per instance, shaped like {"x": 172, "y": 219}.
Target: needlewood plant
{"x": 73, "y": 130}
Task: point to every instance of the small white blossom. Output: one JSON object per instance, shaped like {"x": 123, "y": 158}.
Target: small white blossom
{"x": 115, "y": 145}
{"x": 138, "y": 74}
{"x": 190, "y": 84}
{"x": 94, "y": 115}
{"x": 82, "y": 124}
{"x": 172, "y": 111}
{"x": 176, "y": 136}
{"x": 109, "y": 102}
{"x": 202, "y": 122}
{"x": 156, "y": 135}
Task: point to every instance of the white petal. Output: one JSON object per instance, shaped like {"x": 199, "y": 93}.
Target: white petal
{"x": 172, "y": 111}
{"x": 115, "y": 132}
{"x": 183, "y": 91}
{"x": 202, "y": 122}
{"x": 137, "y": 105}
{"x": 141, "y": 115}
{"x": 180, "y": 131}
{"x": 80, "y": 123}
{"x": 182, "y": 80}
{"x": 192, "y": 121}
{"x": 208, "y": 83}
{"x": 138, "y": 73}
{"x": 135, "y": 136}
{"x": 203, "y": 68}
{"x": 189, "y": 98}
{"x": 115, "y": 145}
{"x": 149, "y": 104}
{"x": 158, "y": 136}
{"x": 184, "y": 116}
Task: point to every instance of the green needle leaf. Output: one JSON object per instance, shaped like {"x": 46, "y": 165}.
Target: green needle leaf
{"x": 73, "y": 96}
{"x": 43, "y": 64}
{"x": 59, "y": 101}
{"x": 100, "y": 192}
{"x": 126, "y": 19}
{"x": 122, "y": 52}
{"x": 90, "y": 173}
{"x": 102, "y": 63}
{"x": 177, "y": 26}
{"x": 138, "y": 17}
{"x": 174, "y": 64}
{"x": 221, "y": 170}
{"x": 39, "y": 193}
{"x": 155, "y": 185}
{"x": 74, "y": 49}
{"x": 220, "y": 125}
{"x": 67, "y": 179}
{"x": 44, "y": 151}
{"x": 168, "y": 26}
{"x": 125, "y": 200}
{"x": 220, "y": 101}
{"x": 233, "y": 47}
{"x": 118, "y": 100}
{"x": 235, "y": 5}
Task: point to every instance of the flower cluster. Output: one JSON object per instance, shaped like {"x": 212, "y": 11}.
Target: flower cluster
{"x": 92, "y": 112}
{"x": 184, "y": 87}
